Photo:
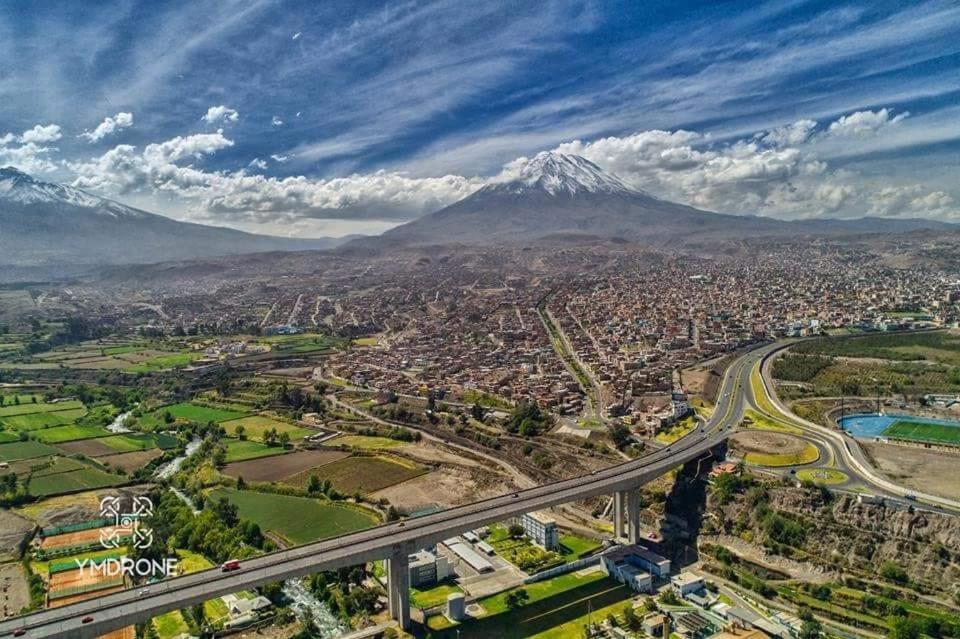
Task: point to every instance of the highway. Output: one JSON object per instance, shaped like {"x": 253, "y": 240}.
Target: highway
{"x": 135, "y": 605}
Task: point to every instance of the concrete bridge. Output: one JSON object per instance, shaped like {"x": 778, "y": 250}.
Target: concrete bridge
{"x": 395, "y": 541}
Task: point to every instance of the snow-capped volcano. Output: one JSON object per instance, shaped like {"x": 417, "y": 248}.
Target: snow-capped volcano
{"x": 17, "y": 186}
{"x": 43, "y": 224}
{"x": 558, "y": 173}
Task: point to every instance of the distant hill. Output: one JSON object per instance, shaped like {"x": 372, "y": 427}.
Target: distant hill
{"x": 43, "y": 225}
{"x": 556, "y": 195}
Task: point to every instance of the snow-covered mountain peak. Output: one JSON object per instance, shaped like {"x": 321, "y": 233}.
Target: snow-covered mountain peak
{"x": 559, "y": 173}
{"x": 17, "y": 186}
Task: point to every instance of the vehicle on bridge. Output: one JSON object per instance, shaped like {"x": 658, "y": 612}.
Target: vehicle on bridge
{"x": 230, "y": 565}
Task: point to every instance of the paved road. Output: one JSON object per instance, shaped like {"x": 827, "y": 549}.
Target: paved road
{"x": 117, "y": 610}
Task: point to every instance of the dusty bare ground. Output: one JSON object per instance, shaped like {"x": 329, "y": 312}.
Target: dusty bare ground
{"x": 13, "y": 588}
{"x": 766, "y": 442}
{"x": 131, "y": 461}
{"x": 796, "y": 569}
{"x": 428, "y": 451}
{"x": 13, "y": 530}
{"x": 444, "y": 488}
{"x": 88, "y": 447}
{"x": 926, "y": 470}
{"x": 282, "y": 466}
{"x": 82, "y": 537}
{"x": 73, "y": 509}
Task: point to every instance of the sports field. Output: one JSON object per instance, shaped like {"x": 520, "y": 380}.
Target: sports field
{"x": 924, "y": 432}
{"x": 299, "y": 519}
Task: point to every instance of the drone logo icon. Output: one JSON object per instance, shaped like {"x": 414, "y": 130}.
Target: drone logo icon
{"x": 112, "y": 508}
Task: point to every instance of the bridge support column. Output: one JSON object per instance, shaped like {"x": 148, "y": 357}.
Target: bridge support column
{"x": 398, "y": 583}
{"x": 619, "y": 512}
{"x": 633, "y": 516}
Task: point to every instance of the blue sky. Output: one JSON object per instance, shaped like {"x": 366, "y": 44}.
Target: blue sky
{"x": 309, "y": 118}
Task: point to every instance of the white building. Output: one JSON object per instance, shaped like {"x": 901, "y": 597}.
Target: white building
{"x": 686, "y": 583}
{"x": 541, "y": 529}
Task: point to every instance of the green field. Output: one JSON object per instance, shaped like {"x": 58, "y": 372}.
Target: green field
{"x": 256, "y": 425}
{"x": 70, "y": 433}
{"x": 33, "y": 421}
{"x": 808, "y": 455}
{"x": 25, "y": 450}
{"x": 923, "y": 432}
{"x": 299, "y": 519}
{"x": 238, "y": 450}
{"x": 361, "y": 474}
{"x": 555, "y": 610}
{"x": 187, "y": 412}
{"x": 83, "y": 479}
{"x": 363, "y": 442}
{"x": 27, "y": 409}
{"x": 129, "y": 442}
{"x": 825, "y": 476}
{"x": 434, "y": 596}
{"x": 8, "y": 437}
{"x": 936, "y": 346}
{"x": 173, "y": 360}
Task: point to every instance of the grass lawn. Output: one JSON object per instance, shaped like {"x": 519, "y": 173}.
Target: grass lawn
{"x": 825, "y": 476}
{"x": 572, "y": 547}
{"x": 70, "y": 563}
{"x": 808, "y": 455}
{"x": 239, "y": 450}
{"x": 256, "y": 425}
{"x": 361, "y": 474}
{"x": 86, "y": 478}
{"x": 363, "y": 442}
{"x": 759, "y": 392}
{"x": 299, "y": 519}
{"x": 34, "y": 421}
{"x": 170, "y": 624}
{"x": 436, "y": 596}
{"x": 25, "y": 450}
{"x": 70, "y": 433}
{"x": 190, "y": 561}
{"x": 923, "y": 432}
{"x": 557, "y": 609}
{"x": 676, "y": 431}
{"x": 762, "y": 422}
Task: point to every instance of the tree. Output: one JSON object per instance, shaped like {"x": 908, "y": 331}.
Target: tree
{"x": 515, "y": 531}
{"x": 630, "y": 617}
{"x": 313, "y": 485}
{"x": 240, "y": 432}
{"x": 901, "y": 628}
{"x": 620, "y": 435}
{"x": 241, "y": 484}
{"x": 811, "y": 629}
{"x": 517, "y": 598}
{"x": 284, "y": 439}
{"x": 476, "y": 411}
{"x": 669, "y": 598}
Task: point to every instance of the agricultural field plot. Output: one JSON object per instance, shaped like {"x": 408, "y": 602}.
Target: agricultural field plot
{"x": 165, "y": 361}
{"x": 10, "y": 410}
{"x": 77, "y": 480}
{"x": 361, "y": 474}
{"x": 924, "y": 432}
{"x": 364, "y": 442}
{"x": 303, "y": 343}
{"x": 187, "y": 412}
{"x": 88, "y": 447}
{"x": 299, "y": 519}
{"x": 59, "y": 465}
{"x": 936, "y": 346}
{"x": 6, "y": 437}
{"x": 256, "y": 425}
{"x": 132, "y": 461}
{"x": 129, "y": 442}
{"x": 33, "y": 421}
{"x": 70, "y": 433}
{"x": 25, "y": 450}
{"x": 275, "y": 469}
{"x": 238, "y": 450}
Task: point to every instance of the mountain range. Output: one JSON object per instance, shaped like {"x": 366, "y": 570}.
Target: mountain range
{"x": 555, "y": 195}
{"x": 551, "y": 197}
{"x": 43, "y": 224}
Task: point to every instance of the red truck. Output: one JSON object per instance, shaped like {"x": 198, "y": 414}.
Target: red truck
{"x": 232, "y": 564}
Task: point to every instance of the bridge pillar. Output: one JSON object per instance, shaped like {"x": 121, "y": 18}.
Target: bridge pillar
{"x": 619, "y": 512}
{"x": 398, "y": 583}
{"x": 633, "y": 516}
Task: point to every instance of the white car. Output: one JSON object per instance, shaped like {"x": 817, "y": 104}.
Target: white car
{"x": 143, "y": 591}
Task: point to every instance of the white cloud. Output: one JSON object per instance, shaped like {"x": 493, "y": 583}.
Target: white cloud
{"x": 912, "y": 201}
{"x": 865, "y": 123}
{"x": 221, "y": 114}
{"x": 257, "y": 163}
{"x": 296, "y": 36}
{"x": 41, "y": 133}
{"x": 109, "y": 125}
{"x": 279, "y": 158}
{"x": 276, "y": 121}
{"x": 790, "y": 134}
